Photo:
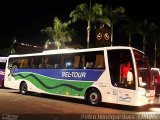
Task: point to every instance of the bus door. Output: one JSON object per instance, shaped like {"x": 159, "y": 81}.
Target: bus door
{"x": 126, "y": 85}
{"x": 9, "y": 82}
{"x": 122, "y": 75}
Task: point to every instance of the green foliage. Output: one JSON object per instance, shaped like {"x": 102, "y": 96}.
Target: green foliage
{"x": 60, "y": 32}
{"x": 145, "y": 27}
{"x": 111, "y": 17}
{"x": 83, "y": 12}
{"x": 114, "y": 15}
{"x": 89, "y": 14}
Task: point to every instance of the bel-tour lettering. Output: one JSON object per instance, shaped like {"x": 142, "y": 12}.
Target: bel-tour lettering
{"x": 74, "y": 74}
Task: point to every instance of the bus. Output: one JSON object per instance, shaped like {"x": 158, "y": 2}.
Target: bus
{"x": 94, "y": 74}
{"x": 2, "y": 70}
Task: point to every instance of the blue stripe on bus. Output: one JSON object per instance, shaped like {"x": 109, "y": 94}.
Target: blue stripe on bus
{"x": 69, "y": 74}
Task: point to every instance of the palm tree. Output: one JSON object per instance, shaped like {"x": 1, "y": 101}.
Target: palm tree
{"x": 111, "y": 17}
{"x": 155, "y": 38}
{"x": 129, "y": 28}
{"x": 144, "y": 29}
{"x": 60, "y": 32}
{"x": 89, "y": 14}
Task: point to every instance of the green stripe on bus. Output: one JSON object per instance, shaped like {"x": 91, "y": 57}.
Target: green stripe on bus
{"x": 51, "y": 85}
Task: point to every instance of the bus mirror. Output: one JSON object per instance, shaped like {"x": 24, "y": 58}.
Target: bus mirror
{"x": 141, "y": 83}
{"x": 129, "y": 77}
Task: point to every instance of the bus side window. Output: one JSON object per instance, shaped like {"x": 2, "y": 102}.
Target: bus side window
{"x": 49, "y": 62}
{"x": 90, "y": 58}
{"x": 68, "y": 64}
{"x": 89, "y": 65}
{"x": 32, "y": 65}
{"x": 23, "y": 63}
{"x": 82, "y": 64}
{"x": 99, "y": 63}
{"x": 57, "y": 66}
{"x": 76, "y": 62}
{"x": 56, "y": 61}
{"x": 68, "y": 60}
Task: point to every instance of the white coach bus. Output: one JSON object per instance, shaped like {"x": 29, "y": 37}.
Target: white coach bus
{"x": 117, "y": 74}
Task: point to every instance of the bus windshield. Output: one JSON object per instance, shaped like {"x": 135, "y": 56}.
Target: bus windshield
{"x": 145, "y": 78}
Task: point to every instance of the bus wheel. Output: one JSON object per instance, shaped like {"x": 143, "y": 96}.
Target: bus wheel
{"x": 94, "y": 97}
{"x": 23, "y": 88}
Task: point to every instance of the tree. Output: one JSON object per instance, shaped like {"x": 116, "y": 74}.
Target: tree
{"x": 144, "y": 29}
{"x": 129, "y": 28}
{"x": 89, "y": 14}
{"x": 111, "y": 17}
{"x": 155, "y": 38}
{"x": 60, "y": 32}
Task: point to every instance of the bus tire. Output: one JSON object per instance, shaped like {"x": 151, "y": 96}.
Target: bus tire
{"x": 94, "y": 97}
{"x": 23, "y": 88}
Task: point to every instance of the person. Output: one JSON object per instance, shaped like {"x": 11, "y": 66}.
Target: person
{"x": 124, "y": 71}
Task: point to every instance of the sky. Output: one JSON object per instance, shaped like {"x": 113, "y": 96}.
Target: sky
{"x": 23, "y": 20}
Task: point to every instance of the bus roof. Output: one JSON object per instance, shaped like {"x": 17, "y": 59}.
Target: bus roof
{"x": 70, "y": 50}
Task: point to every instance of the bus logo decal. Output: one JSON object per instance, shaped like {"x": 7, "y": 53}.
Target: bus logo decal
{"x": 74, "y": 74}
{"x": 125, "y": 99}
